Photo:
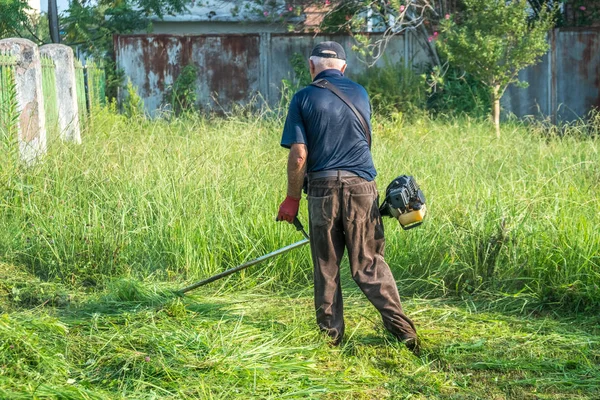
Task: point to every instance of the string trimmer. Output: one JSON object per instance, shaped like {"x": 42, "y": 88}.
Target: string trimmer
{"x": 260, "y": 259}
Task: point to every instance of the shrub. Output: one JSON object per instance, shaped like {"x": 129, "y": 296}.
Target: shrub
{"x": 183, "y": 92}
{"x": 454, "y": 92}
{"x": 394, "y": 88}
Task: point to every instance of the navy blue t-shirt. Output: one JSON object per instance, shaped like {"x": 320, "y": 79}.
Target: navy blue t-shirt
{"x": 330, "y": 130}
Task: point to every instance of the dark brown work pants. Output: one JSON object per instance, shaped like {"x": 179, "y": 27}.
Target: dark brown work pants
{"x": 344, "y": 213}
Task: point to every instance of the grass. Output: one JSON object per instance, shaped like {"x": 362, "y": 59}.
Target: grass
{"x": 502, "y": 279}
{"x": 184, "y": 199}
{"x": 135, "y": 340}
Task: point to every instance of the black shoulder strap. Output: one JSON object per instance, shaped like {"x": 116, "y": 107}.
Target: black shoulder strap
{"x": 325, "y": 84}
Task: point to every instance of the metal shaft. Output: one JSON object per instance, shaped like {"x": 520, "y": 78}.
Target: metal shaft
{"x": 246, "y": 265}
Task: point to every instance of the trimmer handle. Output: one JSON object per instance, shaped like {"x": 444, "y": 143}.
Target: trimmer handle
{"x": 299, "y": 226}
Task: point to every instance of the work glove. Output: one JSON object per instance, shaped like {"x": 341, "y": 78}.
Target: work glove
{"x": 288, "y": 209}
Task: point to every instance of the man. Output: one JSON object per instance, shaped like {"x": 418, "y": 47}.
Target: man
{"x": 326, "y": 140}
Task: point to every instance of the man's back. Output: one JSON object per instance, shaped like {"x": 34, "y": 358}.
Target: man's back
{"x": 331, "y": 131}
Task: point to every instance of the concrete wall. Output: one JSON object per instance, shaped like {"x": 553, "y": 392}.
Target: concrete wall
{"x": 233, "y": 68}
{"x": 565, "y": 85}
{"x": 212, "y": 28}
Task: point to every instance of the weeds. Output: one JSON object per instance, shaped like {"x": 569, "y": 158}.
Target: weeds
{"x": 183, "y": 199}
{"x": 96, "y": 237}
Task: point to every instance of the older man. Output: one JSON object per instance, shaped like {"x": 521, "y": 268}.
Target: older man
{"x": 327, "y": 140}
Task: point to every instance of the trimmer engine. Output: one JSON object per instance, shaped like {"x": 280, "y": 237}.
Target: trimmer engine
{"x": 405, "y": 201}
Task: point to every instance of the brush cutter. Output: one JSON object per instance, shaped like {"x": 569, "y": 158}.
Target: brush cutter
{"x": 260, "y": 259}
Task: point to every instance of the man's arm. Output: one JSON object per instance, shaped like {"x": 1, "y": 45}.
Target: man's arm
{"x": 296, "y": 168}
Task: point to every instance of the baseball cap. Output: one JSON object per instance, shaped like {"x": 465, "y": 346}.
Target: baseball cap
{"x": 329, "y": 50}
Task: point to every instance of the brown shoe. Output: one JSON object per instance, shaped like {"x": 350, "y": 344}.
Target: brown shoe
{"x": 412, "y": 343}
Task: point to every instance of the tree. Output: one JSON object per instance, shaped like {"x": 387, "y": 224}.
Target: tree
{"x": 388, "y": 17}
{"x": 91, "y": 24}
{"x": 14, "y": 18}
{"x": 495, "y": 39}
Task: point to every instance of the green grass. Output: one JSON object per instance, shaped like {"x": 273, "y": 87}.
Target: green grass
{"x": 184, "y": 199}
{"x": 135, "y": 340}
{"x": 502, "y": 279}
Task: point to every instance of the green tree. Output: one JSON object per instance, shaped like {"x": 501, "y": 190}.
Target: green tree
{"x": 14, "y": 18}
{"x": 91, "y": 25}
{"x": 495, "y": 39}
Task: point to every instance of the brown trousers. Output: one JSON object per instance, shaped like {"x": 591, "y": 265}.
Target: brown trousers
{"x": 344, "y": 213}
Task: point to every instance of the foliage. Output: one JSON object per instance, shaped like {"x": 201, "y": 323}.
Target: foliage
{"x": 493, "y": 40}
{"x": 394, "y": 88}
{"x": 91, "y": 25}
{"x": 14, "y": 17}
{"x": 301, "y": 71}
{"x": 582, "y": 13}
{"x": 389, "y": 17}
{"x": 301, "y": 78}
{"x": 191, "y": 197}
{"x": 183, "y": 92}
{"x": 133, "y": 105}
{"x": 454, "y": 92}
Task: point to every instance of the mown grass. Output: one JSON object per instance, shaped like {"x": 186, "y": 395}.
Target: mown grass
{"x": 502, "y": 279}
{"x": 135, "y": 340}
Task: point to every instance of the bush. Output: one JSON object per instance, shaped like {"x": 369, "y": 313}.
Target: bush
{"x": 183, "y": 92}
{"x": 454, "y": 92}
{"x": 393, "y": 89}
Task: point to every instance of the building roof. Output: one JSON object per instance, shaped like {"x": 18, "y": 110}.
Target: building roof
{"x": 226, "y": 11}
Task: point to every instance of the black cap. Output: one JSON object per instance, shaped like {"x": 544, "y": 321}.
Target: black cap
{"x": 329, "y": 50}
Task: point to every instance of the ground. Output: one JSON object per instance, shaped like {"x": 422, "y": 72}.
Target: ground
{"x": 139, "y": 340}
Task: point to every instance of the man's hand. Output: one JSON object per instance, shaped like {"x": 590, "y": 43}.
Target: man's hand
{"x": 288, "y": 210}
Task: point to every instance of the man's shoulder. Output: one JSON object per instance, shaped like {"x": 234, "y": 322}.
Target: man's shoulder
{"x": 347, "y": 85}
{"x": 303, "y": 93}
{"x": 358, "y": 87}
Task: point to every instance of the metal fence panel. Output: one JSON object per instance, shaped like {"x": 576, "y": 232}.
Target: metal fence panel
{"x": 50, "y": 99}
{"x": 565, "y": 85}
{"x": 8, "y": 100}
{"x": 577, "y": 73}
{"x": 232, "y": 69}
{"x": 227, "y": 65}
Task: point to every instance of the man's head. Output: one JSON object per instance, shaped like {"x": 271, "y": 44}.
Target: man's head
{"x": 327, "y": 55}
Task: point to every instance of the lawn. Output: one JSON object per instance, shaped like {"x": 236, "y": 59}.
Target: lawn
{"x": 502, "y": 279}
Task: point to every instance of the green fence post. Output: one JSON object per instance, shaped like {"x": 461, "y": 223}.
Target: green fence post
{"x": 80, "y": 85}
{"x": 50, "y": 99}
{"x": 8, "y": 99}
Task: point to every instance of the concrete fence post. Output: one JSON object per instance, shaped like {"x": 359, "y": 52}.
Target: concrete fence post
{"x": 66, "y": 91}
{"x": 30, "y": 100}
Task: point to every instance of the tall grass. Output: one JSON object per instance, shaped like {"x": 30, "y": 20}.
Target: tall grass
{"x": 183, "y": 199}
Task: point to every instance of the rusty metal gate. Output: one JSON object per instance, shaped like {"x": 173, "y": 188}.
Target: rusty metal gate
{"x": 228, "y": 66}
{"x": 232, "y": 69}
{"x": 565, "y": 85}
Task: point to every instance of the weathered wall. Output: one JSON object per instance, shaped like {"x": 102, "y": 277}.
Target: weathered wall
{"x": 232, "y": 68}
{"x": 205, "y": 28}
{"x": 565, "y": 85}
{"x": 282, "y": 46}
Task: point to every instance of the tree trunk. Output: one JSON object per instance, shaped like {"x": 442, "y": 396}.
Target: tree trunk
{"x": 496, "y": 109}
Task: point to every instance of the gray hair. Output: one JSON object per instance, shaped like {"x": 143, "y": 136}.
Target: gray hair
{"x": 327, "y": 63}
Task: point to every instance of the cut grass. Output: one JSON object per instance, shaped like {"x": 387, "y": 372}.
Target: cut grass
{"x": 136, "y": 340}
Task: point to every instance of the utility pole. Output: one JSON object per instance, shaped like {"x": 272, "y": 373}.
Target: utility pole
{"x": 53, "y": 21}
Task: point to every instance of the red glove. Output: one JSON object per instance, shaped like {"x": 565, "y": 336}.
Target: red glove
{"x": 288, "y": 209}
